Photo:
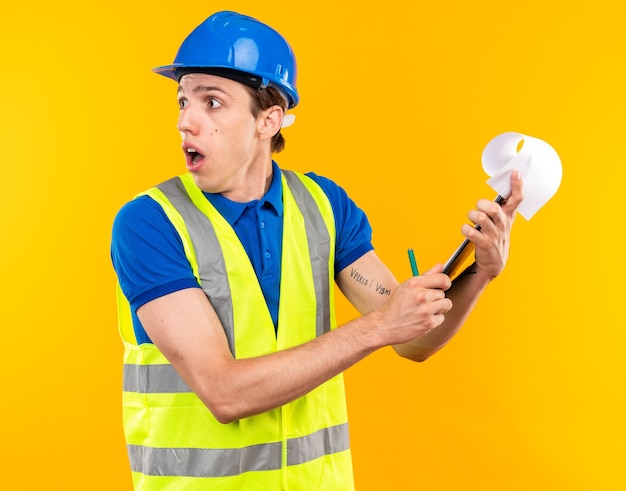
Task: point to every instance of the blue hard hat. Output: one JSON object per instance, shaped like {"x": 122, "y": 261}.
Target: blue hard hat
{"x": 238, "y": 47}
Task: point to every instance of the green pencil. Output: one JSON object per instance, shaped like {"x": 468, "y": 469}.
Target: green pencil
{"x": 413, "y": 263}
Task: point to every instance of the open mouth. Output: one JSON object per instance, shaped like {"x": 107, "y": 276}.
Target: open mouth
{"x": 193, "y": 155}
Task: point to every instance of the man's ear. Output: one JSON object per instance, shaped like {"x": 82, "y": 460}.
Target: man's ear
{"x": 270, "y": 121}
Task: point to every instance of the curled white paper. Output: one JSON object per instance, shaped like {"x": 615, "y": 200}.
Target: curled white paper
{"x": 538, "y": 163}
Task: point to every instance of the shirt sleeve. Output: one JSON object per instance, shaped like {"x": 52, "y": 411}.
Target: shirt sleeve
{"x": 354, "y": 233}
{"x": 147, "y": 253}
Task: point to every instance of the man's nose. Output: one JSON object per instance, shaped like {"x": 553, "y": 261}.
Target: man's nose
{"x": 187, "y": 122}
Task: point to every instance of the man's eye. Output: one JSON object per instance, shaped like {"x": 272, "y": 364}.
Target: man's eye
{"x": 182, "y": 103}
{"x": 213, "y": 103}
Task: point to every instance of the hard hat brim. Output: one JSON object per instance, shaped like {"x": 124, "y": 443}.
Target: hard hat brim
{"x": 176, "y": 71}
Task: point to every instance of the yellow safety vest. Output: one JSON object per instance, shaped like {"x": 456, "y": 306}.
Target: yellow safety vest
{"x": 174, "y": 442}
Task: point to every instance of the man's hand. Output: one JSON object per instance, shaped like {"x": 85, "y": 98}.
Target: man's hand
{"x": 415, "y": 308}
{"x": 492, "y": 239}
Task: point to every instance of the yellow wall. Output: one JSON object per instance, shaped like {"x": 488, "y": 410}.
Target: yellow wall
{"x": 398, "y": 101}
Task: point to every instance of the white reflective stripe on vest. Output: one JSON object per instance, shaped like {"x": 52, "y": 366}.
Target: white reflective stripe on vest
{"x": 202, "y": 462}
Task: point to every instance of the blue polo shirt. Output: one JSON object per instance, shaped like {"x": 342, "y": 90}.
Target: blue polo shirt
{"x": 149, "y": 259}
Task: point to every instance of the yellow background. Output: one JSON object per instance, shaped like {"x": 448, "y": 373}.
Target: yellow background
{"x": 398, "y": 100}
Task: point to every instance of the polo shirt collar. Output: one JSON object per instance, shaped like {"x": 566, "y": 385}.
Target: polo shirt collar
{"x": 231, "y": 210}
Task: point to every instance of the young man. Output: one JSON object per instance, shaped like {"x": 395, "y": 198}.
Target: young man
{"x": 233, "y": 362}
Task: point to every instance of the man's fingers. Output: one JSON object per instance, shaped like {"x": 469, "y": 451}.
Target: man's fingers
{"x": 517, "y": 193}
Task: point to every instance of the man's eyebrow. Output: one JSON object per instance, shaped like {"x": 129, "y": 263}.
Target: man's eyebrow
{"x": 203, "y": 88}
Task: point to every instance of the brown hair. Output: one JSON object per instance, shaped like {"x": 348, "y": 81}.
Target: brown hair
{"x": 263, "y": 99}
